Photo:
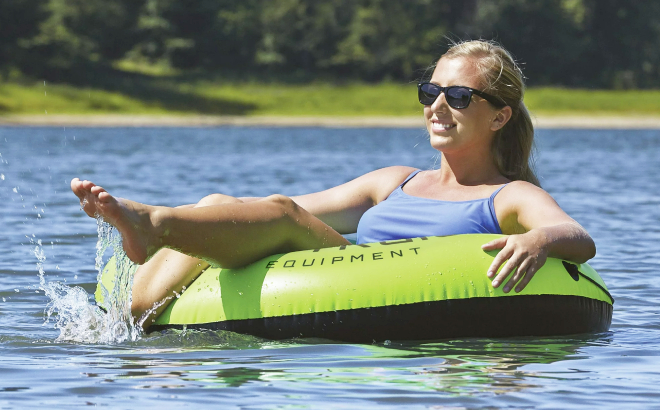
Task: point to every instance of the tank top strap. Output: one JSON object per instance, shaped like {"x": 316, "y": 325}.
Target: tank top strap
{"x": 497, "y": 191}
{"x": 412, "y": 174}
{"x": 491, "y": 208}
{"x": 399, "y": 190}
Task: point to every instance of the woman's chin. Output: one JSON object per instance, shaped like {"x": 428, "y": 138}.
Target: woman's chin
{"x": 440, "y": 142}
{"x": 442, "y": 135}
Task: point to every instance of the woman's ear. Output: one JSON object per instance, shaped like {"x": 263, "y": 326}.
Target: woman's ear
{"x": 503, "y": 116}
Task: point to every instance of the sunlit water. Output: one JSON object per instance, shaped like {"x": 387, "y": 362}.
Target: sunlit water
{"x": 58, "y": 350}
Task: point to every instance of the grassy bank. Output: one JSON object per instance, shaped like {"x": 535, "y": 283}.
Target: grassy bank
{"x": 163, "y": 96}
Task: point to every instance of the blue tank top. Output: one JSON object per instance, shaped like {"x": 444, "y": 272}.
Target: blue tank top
{"x": 403, "y": 216}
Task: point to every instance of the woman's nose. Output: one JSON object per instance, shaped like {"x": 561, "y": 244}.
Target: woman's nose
{"x": 440, "y": 103}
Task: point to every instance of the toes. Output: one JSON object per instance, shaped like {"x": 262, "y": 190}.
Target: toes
{"x": 96, "y": 190}
{"x": 76, "y": 187}
{"x": 82, "y": 188}
{"x": 87, "y": 185}
{"x": 101, "y": 194}
{"x": 104, "y": 197}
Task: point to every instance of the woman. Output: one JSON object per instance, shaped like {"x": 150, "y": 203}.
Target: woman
{"x": 475, "y": 116}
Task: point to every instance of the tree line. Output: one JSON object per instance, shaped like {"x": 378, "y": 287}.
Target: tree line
{"x": 574, "y": 43}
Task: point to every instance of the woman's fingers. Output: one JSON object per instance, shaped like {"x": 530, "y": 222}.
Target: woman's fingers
{"x": 500, "y": 258}
{"x": 518, "y": 258}
{"x": 514, "y": 261}
{"x": 523, "y": 272}
{"x": 522, "y": 279}
{"x": 498, "y": 243}
{"x": 520, "y": 272}
{"x": 530, "y": 274}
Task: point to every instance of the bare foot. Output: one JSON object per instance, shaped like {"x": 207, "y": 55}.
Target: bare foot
{"x": 83, "y": 190}
{"x": 132, "y": 219}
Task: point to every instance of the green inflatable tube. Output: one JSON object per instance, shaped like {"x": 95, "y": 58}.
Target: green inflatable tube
{"x": 412, "y": 289}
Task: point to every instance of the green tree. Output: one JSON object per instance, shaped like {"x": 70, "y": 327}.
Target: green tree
{"x": 624, "y": 43}
{"x": 82, "y": 31}
{"x": 19, "y": 22}
{"x": 212, "y": 33}
{"x": 541, "y": 34}
{"x": 367, "y": 39}
{"x": 599, "y": 43}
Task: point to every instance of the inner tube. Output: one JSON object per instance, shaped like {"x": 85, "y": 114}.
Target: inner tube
{"x": 412, "y": 289}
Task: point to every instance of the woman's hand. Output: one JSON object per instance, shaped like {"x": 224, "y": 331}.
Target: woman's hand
{"x": 525, "y": 253}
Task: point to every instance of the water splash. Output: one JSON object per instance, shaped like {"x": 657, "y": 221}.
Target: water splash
{"x": 82, "y": 321}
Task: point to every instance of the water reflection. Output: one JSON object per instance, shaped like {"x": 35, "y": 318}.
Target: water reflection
{"x": 220, "y": 359}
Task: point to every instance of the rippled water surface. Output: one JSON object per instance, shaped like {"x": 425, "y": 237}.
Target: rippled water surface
{"x": 607, "y": 180}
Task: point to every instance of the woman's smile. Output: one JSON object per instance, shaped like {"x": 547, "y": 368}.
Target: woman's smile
{"x": 438, "y": 126}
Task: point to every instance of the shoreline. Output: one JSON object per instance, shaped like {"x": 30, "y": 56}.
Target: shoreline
{"x": 129, "y": 120}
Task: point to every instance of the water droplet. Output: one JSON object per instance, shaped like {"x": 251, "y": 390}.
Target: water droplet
{"x": 2, "y": 177}
{"x": 241, "y": 294}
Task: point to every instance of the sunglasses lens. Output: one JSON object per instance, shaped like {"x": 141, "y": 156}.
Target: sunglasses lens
{"x": 458, "y": 97}
{"x": 428, "y": 93}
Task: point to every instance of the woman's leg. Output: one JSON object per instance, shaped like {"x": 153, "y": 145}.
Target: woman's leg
{"x": 166, "y": 274}
{"x": 229, "y": 235}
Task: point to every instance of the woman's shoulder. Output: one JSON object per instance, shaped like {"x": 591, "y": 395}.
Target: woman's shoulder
{"x": 523, "y": 187}
{"x": 521, "y": 193}
{"x": 521, "y": 206}
{"x": 385, "y": 180}
{"x": 395, "y": 172}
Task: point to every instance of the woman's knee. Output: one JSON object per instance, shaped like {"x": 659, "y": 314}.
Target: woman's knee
{"x": 287, "y": 206}
{"x": 302, "y": 229}
{"x": 217, "y": 199}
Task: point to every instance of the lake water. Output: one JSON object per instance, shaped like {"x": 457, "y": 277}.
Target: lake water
{"x": 608, "y": 180}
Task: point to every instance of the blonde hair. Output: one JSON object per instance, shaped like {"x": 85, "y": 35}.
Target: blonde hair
{"x": 513, "y": 145}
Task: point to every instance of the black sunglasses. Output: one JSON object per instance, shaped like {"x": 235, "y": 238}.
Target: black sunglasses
{"x": 457, "y": 96}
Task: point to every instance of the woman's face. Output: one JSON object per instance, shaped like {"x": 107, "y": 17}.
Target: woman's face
{"x": 453, "y": 129}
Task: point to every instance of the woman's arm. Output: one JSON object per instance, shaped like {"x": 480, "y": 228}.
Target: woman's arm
{"x": 342, "y": 207}
{"x": 538, "y": 228}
